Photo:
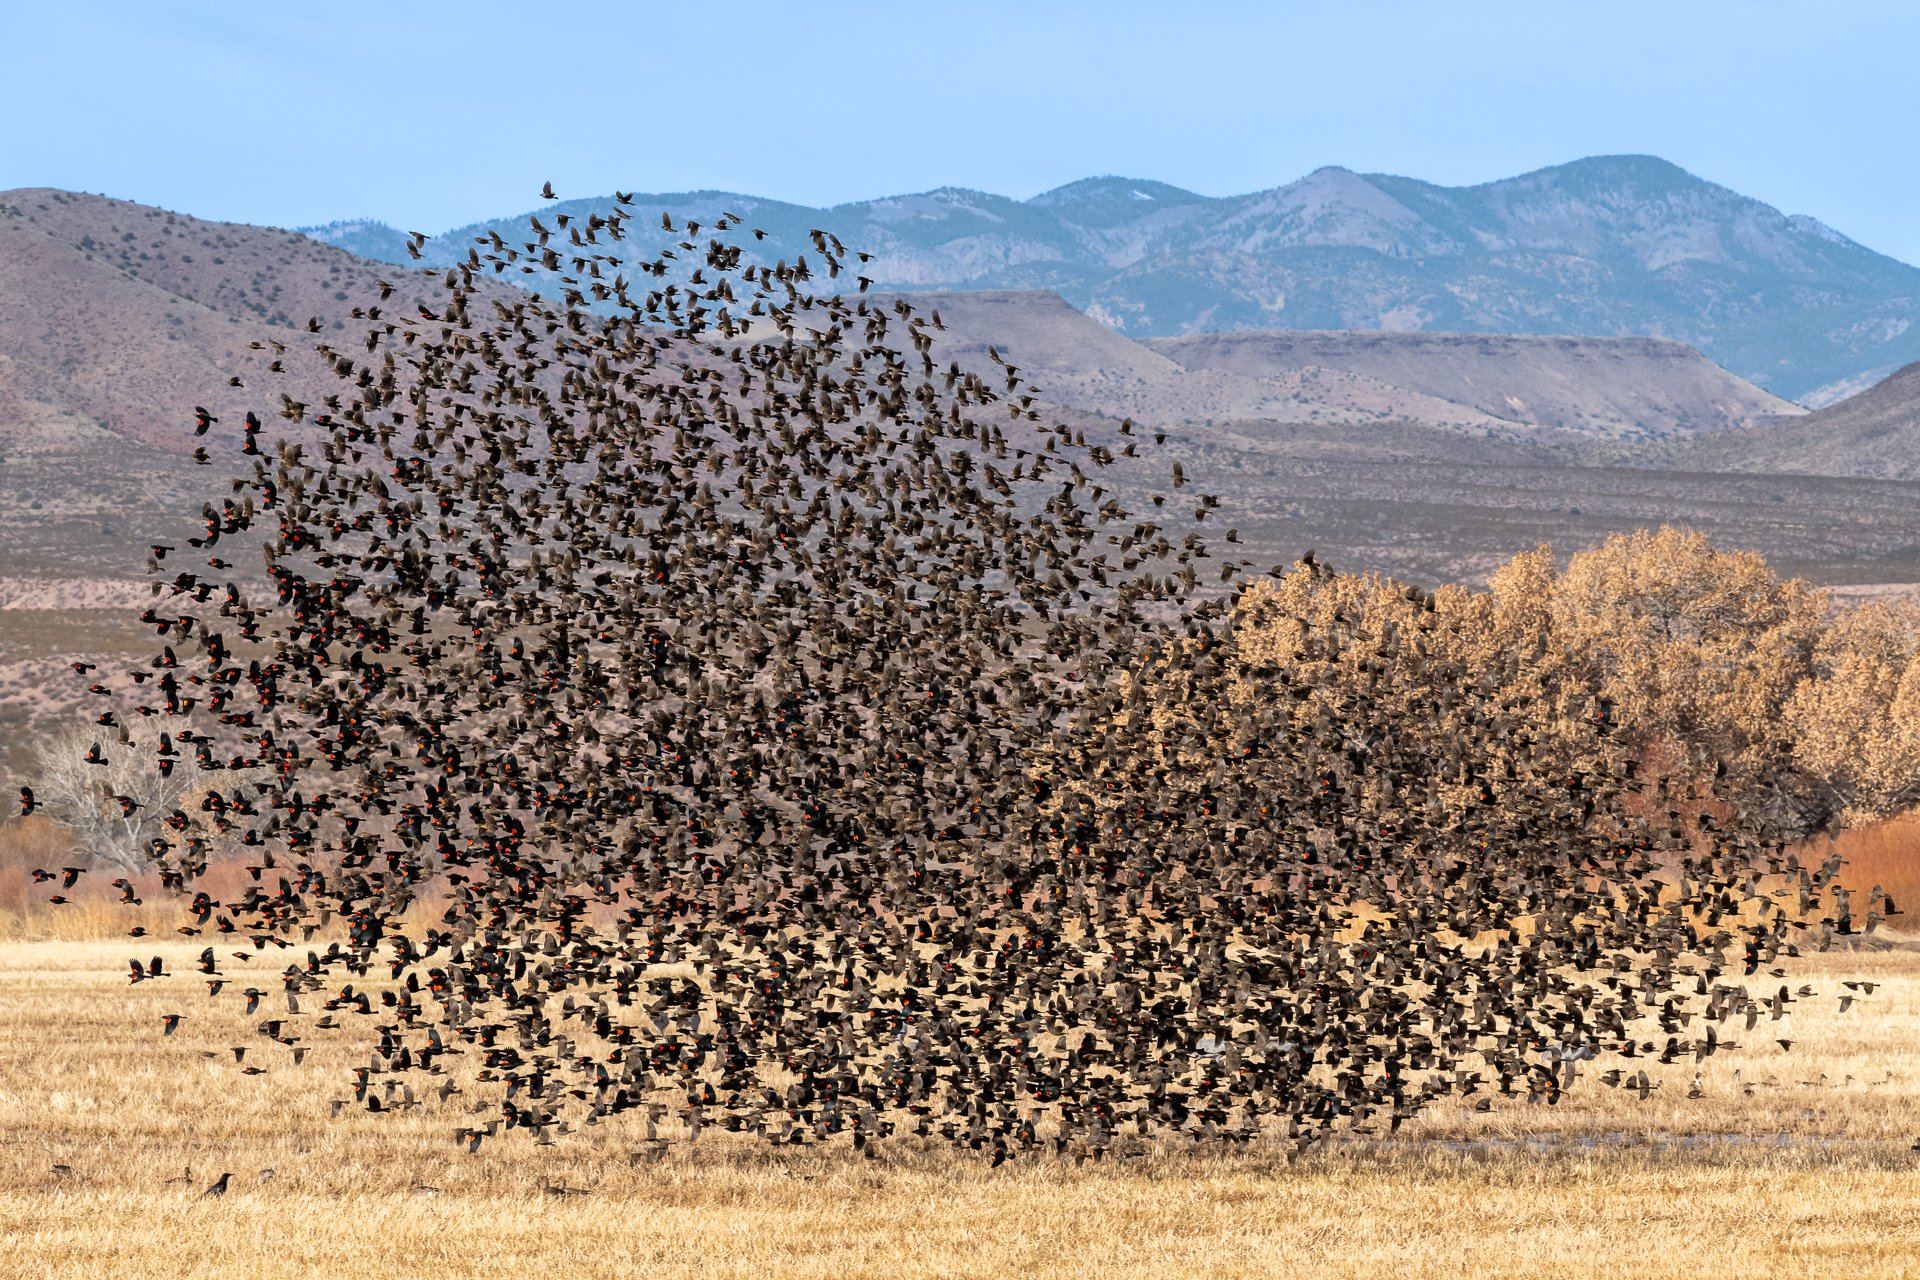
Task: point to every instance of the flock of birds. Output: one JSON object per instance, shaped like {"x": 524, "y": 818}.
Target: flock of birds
{"x": 805, "y": 740}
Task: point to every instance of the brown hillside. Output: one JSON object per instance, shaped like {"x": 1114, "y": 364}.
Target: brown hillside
{"x": 116, "y": 320}
{"x": 127, "y": 316}
{"x": 1080, "y": 363}
{"x": 1875, "y": 434}
{"x": 1585, "y": 386}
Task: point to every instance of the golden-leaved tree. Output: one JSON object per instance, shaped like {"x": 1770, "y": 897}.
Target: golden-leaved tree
{"x": 1698, "y": 648}
{"x": 1856, "y": 719}
{"x": 1704, "y": 667}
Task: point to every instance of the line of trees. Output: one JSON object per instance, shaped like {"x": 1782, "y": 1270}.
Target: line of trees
{"x": 1703, "y": 665}
{"x": 1708, "y": 664}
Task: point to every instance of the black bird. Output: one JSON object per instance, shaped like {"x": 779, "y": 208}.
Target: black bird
{"x": 219, "y": 1188}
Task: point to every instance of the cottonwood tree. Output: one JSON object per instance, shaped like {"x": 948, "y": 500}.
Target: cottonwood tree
{"x": 1365, "y": 670}
{"x": 1654, "y": 650}
{"x": 1856, "y": 718}
{"x": 91, "y": 800}
{"x": 1703, "y": 647}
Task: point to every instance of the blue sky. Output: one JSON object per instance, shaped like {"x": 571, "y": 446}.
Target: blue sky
{"x": 430, "y": 115}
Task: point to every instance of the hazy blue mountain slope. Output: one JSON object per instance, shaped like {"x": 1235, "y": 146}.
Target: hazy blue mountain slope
{"x": 1606, "y": 246}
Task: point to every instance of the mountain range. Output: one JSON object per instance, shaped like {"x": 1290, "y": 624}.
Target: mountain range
{"x": 1431, "y": 455}
{"x": 1608, "y": 246}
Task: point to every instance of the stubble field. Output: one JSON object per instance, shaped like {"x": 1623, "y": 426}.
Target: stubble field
{"x": 1771, "y": 1161}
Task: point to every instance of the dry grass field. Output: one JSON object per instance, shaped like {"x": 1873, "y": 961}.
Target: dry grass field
{"x": 1772, "y": 1162}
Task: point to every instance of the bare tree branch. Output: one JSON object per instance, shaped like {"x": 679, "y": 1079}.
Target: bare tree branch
{"x": 113, "y": 808}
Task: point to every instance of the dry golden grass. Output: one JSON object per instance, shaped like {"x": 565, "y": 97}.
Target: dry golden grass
{"x": 1794, "y": 1162}
{"x": 1787, "y": 1160}
{"x": 94, "y": 909}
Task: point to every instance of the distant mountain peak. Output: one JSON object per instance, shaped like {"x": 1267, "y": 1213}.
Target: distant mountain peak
{"x": 1331, "y": 177}
{"x": 1629, "y": 162}
{"x": 1640, "y": 176}
{"x": 1110, "y": 187}
{"x": 1626, "y": 166}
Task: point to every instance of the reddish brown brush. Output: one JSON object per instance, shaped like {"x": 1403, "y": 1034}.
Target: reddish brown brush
{"x": 94, "y": 908}
{"x": 1885, "y": 854}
